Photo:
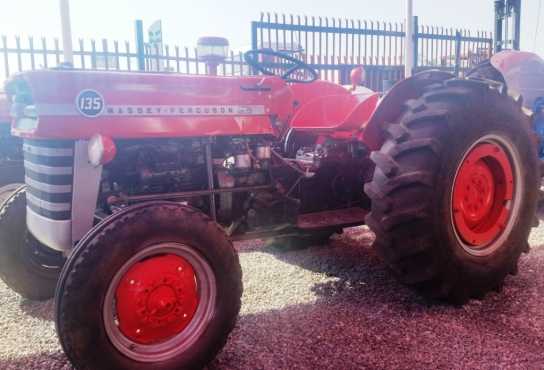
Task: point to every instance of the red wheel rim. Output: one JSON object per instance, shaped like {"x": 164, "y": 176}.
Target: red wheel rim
{"x": 156, "y": 299}
{"x": 482, "y": 192}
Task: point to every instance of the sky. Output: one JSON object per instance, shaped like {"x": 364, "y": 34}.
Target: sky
{"x": 186, "y": 20}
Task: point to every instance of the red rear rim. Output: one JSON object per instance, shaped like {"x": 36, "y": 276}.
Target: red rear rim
{"x": 482, "y": 193}
{"x": 156, "y": 299}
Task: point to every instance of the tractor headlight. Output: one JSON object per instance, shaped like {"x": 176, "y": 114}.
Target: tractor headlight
{"x": 101, "y": 150}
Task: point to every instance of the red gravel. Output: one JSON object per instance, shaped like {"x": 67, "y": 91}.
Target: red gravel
{"x": 337, "y": 307}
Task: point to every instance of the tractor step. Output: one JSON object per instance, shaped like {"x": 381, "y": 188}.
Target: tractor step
{"x": 341, "y": 217}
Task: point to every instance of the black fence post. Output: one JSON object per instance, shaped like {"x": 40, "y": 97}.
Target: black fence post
{"x": 254, "y": 42}
{"x": 140, "y": 45}
{"x": 457, "y": 53}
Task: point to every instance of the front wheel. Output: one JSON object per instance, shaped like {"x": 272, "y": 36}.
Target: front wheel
{"x": 455, "y": 190}
{"x": 153, "y": 287}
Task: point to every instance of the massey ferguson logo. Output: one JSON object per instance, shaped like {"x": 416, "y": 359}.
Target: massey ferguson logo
{"x": 90, "y": 103}
{"x": 184, "y": 110}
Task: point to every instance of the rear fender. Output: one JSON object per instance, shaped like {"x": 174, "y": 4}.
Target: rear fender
{"x": 345, "y": 112}
{"x": 391, "y": 105}
{"x": 523, "y": 73}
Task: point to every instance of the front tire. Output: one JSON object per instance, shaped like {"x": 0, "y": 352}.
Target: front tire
{"x": 450, "y": 227}
{"x": 156, "y": 286}
{"x": 26, "y": 266}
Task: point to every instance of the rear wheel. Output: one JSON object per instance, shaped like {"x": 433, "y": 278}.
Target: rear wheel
{"x": 454, "y": 190}
{"x": 153, "y": 287}
{"x": 26, "y": 266}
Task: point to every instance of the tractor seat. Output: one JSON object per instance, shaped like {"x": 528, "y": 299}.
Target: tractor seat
{"x": 342, "y": 112}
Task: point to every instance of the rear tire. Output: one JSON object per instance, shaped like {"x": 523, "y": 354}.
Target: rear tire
{"x": 26, "y": 266}
{"x": 94, "y": 334}
{"x": 412, "y": 196}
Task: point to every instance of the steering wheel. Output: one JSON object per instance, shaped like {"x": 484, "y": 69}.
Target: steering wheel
{"x": 254, "y": 58}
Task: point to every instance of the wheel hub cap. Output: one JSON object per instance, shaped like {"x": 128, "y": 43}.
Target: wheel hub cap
{"x": 156, "y": 299}
{"x": 483, "y": 189}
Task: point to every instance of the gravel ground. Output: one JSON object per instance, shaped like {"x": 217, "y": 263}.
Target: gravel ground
{"x": 336, "y": 307}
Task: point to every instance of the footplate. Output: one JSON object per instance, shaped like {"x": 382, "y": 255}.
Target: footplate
{"x": 341, "y": 217}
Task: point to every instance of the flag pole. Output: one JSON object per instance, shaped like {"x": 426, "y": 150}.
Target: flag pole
{"x": 66, "y": 32}
{"x": 409, "y": 42}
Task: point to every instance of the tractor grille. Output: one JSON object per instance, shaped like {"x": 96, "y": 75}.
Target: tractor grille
{"x": 49, "y": 177}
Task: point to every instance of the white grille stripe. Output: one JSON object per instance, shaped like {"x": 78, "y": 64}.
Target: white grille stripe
{"x": 48, "y": 152}
{"x": 53, "y": 207}
{"x": 48, "y": 188}
{"x": 47, "y": 170}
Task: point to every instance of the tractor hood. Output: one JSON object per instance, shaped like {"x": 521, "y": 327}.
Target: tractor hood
{"x": 75, "y": 104}
{"x": 523, "y": 73}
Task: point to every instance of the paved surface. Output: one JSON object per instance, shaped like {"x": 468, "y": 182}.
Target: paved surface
{"x": 337, "y": 307}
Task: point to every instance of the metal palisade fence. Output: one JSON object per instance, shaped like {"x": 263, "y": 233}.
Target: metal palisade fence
{"x": 332, "y": 46}
{"x": 18, "y": 54}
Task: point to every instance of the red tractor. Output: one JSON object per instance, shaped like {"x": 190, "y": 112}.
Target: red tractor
{"x": 137, "y": 183}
